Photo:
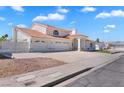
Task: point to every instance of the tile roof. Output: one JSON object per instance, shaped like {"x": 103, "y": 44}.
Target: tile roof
{"x": 34, "y": 33}
{"x": 77, "y": 35}
{"x": 30, "y": 32}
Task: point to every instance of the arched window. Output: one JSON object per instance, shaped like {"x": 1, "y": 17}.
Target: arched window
{"x": 55, "y": 33}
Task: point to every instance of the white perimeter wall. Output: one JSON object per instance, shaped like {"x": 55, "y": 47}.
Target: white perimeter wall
{"x": 41, "y": 45}
{"x": 9, "y": 46}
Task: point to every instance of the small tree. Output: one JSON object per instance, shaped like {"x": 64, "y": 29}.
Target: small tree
{"x": 4, "y": 37}
{"x": 97, "y": 40}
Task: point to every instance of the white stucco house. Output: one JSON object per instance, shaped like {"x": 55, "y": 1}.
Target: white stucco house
{"x": 43, "y": 38}
{"x": 101, "y": 45}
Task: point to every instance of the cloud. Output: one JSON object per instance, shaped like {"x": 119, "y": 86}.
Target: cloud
{"x": 18, "y": 8}
{"x": 109, "y": 28}
{"x": 72, "y": 22}
{"x": 113, "y": 13}
{"x": 56, "y": 16}
{"x": 107, "y": 31}
{"x": 2, "y": 18}
{"x": 62, "y": 10}
{"x": 40, "y": 18}
{"x": 21, "y": 25}
{"x": 88, "y": 9}
{"x": 103, "y": 15}
{"x": 10, "y": 24}
{"x": 51, "y": 16}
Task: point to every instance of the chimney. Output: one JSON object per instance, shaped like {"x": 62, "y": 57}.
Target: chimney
{"x": 74, "y": 31}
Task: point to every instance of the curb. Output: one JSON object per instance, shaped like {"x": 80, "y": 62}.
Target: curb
{"x": 51, "y": 84}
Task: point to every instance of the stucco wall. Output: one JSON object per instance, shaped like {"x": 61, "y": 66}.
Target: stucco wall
{"x": 22, "y": 37}
{"x": 39, "y": 28}
{"x": 9, "y": 46}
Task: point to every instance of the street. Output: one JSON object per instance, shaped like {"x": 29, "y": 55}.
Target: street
{"x": 111, "y": 75}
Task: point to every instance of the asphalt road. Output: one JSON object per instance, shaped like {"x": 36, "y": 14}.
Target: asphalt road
{"x": 111, "y": 75}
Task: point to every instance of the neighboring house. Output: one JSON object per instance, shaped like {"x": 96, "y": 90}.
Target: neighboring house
{"x": 42, "y": 38}
{"x": 117, "y": 45}
{"x": 101, "y": 45}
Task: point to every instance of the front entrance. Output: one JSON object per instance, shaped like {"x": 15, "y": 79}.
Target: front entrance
{"x": 75, "y": 44}
{"x": 78, "y": 44}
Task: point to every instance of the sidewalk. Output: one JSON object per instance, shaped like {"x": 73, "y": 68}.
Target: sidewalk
{"x": 43, "y": 77}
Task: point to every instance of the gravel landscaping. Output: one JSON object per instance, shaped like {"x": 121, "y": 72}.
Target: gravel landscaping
{"x": 9, "y": 67}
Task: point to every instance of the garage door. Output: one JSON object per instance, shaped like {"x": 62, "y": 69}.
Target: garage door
{"x": 38, "y": 46}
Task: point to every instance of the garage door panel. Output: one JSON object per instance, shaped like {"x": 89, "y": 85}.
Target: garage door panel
{"x": 38, "y": 46}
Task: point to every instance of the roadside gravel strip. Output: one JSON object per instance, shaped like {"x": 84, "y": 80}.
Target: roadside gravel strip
{"x": 49, "y": 77}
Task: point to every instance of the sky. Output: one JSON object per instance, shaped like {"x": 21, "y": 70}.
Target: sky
{"x": 105, "y": 23}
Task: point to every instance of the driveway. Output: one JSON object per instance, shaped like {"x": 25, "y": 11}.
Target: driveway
{"x": 68, "y": 57}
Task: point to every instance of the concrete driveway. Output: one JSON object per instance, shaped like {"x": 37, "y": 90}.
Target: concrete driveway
{"x": 68, "y": 57}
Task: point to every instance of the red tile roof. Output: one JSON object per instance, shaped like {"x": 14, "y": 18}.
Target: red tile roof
{"x": 37, "y": 34}
{"x": 77, "y": 35}
{"x": 30, "y": 32}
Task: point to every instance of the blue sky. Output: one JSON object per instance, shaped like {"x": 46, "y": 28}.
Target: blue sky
{"x": 106, "y": 23}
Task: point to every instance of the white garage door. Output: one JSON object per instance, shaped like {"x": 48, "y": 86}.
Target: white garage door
{"x": 38, "y": 46}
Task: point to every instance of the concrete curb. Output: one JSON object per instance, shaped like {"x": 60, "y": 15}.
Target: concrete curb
{"x": 63, "y": 84}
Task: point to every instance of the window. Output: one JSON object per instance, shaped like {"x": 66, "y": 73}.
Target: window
{"x": 55, "y": 33}
{"x": 25, "y": 40}
{"x": 66, "y": 42}
{"x": 37, "y": 41}
{"x": 58, "y": 42}
{"x": 43, "y": 41}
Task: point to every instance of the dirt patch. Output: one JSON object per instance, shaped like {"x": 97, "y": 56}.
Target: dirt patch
{"x": 9, "y": 67}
